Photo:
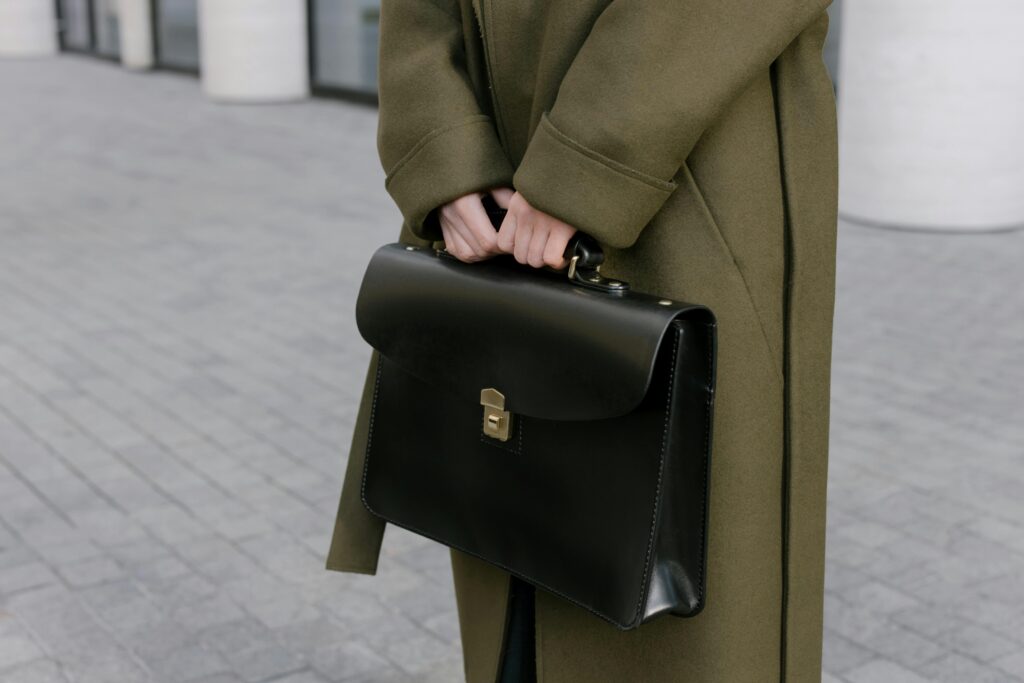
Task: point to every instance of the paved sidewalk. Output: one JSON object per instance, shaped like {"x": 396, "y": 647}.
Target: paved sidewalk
{"x": 179, "y": 370}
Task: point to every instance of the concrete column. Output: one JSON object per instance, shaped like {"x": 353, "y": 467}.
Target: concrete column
{"x": 28, "y": 28}
{"x": 136, "y": 25}
{"x": 931, "y": 101}
{"x": 254, "y": 50}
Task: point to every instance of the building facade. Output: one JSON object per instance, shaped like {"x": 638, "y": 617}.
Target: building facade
{"x": 929, "y": 90}
{"x": 338, "y": 43}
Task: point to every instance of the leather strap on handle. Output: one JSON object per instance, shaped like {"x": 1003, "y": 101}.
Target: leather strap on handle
{"x": 581, "y": 244}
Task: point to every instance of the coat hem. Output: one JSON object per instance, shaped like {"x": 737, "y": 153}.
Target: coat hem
{"x": 353, "y": 568}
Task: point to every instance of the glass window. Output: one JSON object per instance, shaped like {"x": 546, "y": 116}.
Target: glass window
{"x": 108, "y": 38}
{"x": 345, "y": 44}
{"x": 177, "y": 40}
{"x": 76, "y": 31}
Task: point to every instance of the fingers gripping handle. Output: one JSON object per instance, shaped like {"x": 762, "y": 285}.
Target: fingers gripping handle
{"x": 581, "y": 244}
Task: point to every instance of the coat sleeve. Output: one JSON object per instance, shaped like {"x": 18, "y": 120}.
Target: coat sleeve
{"x": 649, "y": 79}
{"x": 434, "y": 140}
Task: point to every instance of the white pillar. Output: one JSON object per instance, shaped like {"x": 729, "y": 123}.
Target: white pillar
{"x": 254, "y": 50}
{"x": 931, "y": 104}
{"x": 28, "y": 28}
{"x": 136, "y": 28}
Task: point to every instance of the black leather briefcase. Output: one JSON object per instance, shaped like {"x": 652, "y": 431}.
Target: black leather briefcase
{"x": 554, "y": 424}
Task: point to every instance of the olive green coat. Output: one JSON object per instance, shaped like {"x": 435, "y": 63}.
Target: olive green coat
{"x": 696, "y": 140}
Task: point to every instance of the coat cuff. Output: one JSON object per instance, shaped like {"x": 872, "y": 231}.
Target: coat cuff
{"x": 606, "y": 199}
{"x": 446, "y": 164}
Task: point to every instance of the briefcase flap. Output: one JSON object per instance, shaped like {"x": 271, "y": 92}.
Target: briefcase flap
{"x": 556, "y": 350}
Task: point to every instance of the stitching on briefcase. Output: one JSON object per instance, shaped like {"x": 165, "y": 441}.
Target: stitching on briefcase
{"x": 369, "y": 431}
{"x": 707, "y": 461}
{"x": 661, "y": 471}
{"x": 517, "y": 449}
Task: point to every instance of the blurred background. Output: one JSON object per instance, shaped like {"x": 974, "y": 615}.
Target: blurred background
{"x": 189, "y": 191}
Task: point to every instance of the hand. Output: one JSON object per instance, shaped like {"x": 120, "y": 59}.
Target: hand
{"x": 532, "y": 236}
{"x": 467, "y": 231}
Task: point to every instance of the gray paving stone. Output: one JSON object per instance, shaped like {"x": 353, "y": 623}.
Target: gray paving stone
{"x": 218, "y": 678}
{"x": 201, "y": 614}
{"x": 96, "y": 656}
{"x": 38, "y": 671}
{"x": 122, "y": 606}
{"x": 387, "y": 675}
{"x": 978, "y": 643}
{"x": 215, "y": 558}
{"x": 306, "y": 637}
{"x": 189, "y": 663}
{"x": 881, "y": 598}
{"x": 346, "y": 660}
{"x": 954, "y": 668}
{"x": 157, "y": 642}
{"x": 419, "y": 654}
{"x": 281, "y": 610}
{"x": 444, "y": 672}
{"x": 182, "y": 590}
{"x": 251, "y": 650}
{"x": 53, "y": 612}
{"x": 69, "y": 551}
{"x": 444, "y": 625}
{"x": 12, "y": 555}
{"x": 138, "y": 554}
{"x": 881, "y": 670}
{"x": 25, "y": 575}
{"x": 179, "y": 373}
{"x": 903, "y": 646}
{"x": 932, "y": 622}
{"x": 842, "y": 654}
{"x": 90, "y": 572}
{"x": 302, "y": 677}
{"x": 265, "y": 662}
{"x": 1012, "y": 664}
{"x": 17, "y": 646}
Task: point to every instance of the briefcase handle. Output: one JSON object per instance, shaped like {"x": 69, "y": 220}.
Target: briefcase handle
{"x": 583, "y": 253}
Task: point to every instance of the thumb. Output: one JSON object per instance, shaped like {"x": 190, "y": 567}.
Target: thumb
{"x": 502, "y": 195}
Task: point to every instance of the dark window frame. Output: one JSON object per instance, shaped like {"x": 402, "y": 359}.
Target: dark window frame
{"x": 318, "y": 90}
{"x": 154, "y": 21}
{"x": 92, "y": 50}
{"x": 95, "y": 38}
{"x": 330, "y": 91}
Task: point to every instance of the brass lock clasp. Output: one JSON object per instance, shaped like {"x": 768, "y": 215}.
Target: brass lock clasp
{"x": 497, "y": 420}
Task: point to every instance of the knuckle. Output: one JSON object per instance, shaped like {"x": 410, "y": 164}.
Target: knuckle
{"x": 488, "y": 240}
